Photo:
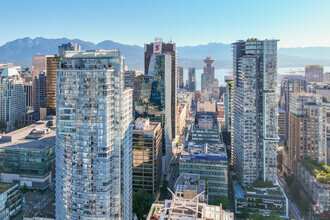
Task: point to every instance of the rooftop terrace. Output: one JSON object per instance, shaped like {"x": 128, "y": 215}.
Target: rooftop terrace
{"x": 5, "y": 186}
{"x": 204, "y": 151}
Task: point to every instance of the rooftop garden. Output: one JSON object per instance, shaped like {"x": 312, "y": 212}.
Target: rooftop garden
{"x": 321, "y": 172}
{"x": 262, "y": 184}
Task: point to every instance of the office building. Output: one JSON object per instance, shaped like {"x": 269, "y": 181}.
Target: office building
{"x": 152, "y": 100}
{"x": 170, "y": 49}
{"x": 52, "y": 64}
{"x": 94, "y": 137}
{"x": 191, "y": 79}
{"x": 314, "y": 73}
{"x": 290, "y": 85}
{"x": 206, "y": 128}
{"x": 210, "y": 162}
{"x": 262, "y": 199}
{"x": 189, "y": 202}
{"x": 40, "y": 91}
{"x": 255, "y": 110}
{"x": 180, "y": 77}
{"x": 12, "y": 97}
{"x": 207, "y": 106}
{"x": 281, "y": 123}
{"x": 228, "y": 103}
{"x": 28, "y": 155}
{"x": 130, "y": 77}
{"x": 28, "y": 95}
{"x": 307, "y": 129}
{"x": 147, "y": 155}
{"x": 326, "y": 77}
{"x": 10, "y": 201}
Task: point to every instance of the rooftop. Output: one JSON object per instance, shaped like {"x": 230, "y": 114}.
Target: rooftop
{"x": 5, "y": 186}
{"x": 204, "y": 151}
{"x": 188, "y": 183}
{"x": 39, "y": 135}
{"x": 321, "y": 172}
{"x": 260, "y": 188}
{"x": 206, "y": 120}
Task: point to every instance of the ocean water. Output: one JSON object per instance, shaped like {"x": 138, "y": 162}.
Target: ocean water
{"x": 221, "y": 73}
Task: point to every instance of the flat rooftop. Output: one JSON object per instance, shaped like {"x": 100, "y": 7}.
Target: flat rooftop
{"x": 37, "y": 136}
{"x": 204, "y": 151}
{"x": 189, "y": 182}
{"x": 5, "y": 186}
{"x": 206, "y": 120}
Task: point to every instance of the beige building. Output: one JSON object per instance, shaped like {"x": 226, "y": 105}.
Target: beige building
{"x": 207, "y": 106}
{"x": 147, "y": 155}
{"x": 182, "y": 115}
{"x": 307, "y": 128}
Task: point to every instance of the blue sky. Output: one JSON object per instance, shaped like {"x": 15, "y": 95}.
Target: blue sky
{"x": 297, "y": 23}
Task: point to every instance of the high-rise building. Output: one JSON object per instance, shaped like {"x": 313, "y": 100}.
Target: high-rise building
{"x": 159, "y": 47}
{"x": 94, "y": 137}
{"x": 130, "y": 77}
{"x": 208, "y": 76}
{"x": 281, "y": 123}
{"x": 12, "y": 97}
{"x": 153, "y": 100}
{"x": 255, "y": 110}
{"x": 180, "y": 77}
{"x": 191, "y": 79}
{"x": 147, "y": 155}
{"x": 314, "y": 73}
{"x": 228, "y": 103}
{"x": 290, "y": 85}
{"x": 52, "y": 64}
{"x": 40, "y": 91}
{"x": 307, "y": 129}
{"x": 28, "y": 94}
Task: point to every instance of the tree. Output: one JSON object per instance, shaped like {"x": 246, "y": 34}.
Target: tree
{"x": 289, "y": 180}
{"x": 221, "y": 199}
{"x": 304, "y": 204}
{"x": 142, "y": 202}
{"x": 245, "y": 213}
{"x": 3, "y": 126}
{"x": 259, "y": 216}
{"x": 295, "y": 190}
{"x": 163, "y": 188}
{"x": 24, "y": 189}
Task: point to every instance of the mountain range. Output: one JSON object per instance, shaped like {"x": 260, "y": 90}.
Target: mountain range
{"x": 21, "y": 51}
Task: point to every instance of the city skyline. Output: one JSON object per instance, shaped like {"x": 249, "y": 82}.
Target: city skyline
{"x": 299, "y": 23}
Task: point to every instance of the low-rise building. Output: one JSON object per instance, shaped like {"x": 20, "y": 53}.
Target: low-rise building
{"x": 260, "y": 199}
{"x": 189, "y": 202}
{"x": 316, "y": 182}
{"x": 206, "y": 128}
{"x": 210, "y": 162}
{"x": 10, "y": 201}
{"x": 27, "y": 155}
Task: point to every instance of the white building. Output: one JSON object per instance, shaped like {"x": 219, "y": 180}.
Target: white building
{"x": 94, "y": 137}
{"x": 12, "y": 97}
{"x": 255, "y": 110}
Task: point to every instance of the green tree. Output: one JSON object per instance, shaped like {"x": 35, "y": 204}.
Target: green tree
{"x": 295, "y": 190}
{"x": 259, "y": 216}
{"x": 24, "y": 189}
{"x": 304, "y": 204}
{"x": 289, "y": 180}
{"x": 142, "y": 202}
{"x": 3, "y": 126}
{"x": 163, "y": 188}
{"x": 245, "y": 213}
{"x": 221, "y": 199}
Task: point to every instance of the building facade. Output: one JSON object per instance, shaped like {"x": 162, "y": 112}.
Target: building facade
{"x": 314, "y": 73}
{"x": 180, "y": 77}
{"x": 94, "y": 137}
{"x": 12, "y": 97}
{"x": 40, "y": 91}
{"x": 255, "y": 110}
{"x": 290, "y": 85}
{"x": 307, "y": 129}
{"x": 191, "y": 79}
{"x": 147, "y": 155}
{"x": 152, "y": 100}
{"x": 10, "y": 201}
{"x": 170, "y": 49}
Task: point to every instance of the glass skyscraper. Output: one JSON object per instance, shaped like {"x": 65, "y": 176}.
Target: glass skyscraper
{"x": 255, "y": 110}
{"x": 153, "y": 99}
{"x": 94, "y": 137}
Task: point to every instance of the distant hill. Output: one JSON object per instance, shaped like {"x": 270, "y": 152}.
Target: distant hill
{"x": 21, "y": 51}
